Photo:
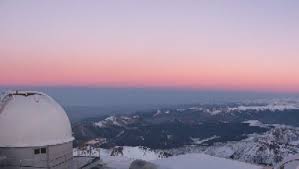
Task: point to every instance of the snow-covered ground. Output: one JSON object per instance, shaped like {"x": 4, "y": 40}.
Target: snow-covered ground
{"x": 117, "y": 162}
{"x": 201, "y": 161}
{"x": 190, "y": 161}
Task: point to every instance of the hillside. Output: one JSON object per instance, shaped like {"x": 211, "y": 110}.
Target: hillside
{"x": 256, "y": 132}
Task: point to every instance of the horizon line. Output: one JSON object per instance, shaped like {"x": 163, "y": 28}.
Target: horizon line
{"x": 165, "y": 88}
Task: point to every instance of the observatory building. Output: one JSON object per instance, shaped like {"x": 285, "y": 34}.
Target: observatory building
{"x": 35, "y": 132}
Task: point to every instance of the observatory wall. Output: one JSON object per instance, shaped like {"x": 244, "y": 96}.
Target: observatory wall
{"x": 50, "y": 157}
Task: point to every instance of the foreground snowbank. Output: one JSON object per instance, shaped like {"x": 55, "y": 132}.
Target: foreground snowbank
{"x": 201, "y": 161}
{"x": 190, "y": 161}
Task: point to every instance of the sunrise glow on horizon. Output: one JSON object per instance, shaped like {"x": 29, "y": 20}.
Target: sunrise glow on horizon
{"x": 230, "y": 45}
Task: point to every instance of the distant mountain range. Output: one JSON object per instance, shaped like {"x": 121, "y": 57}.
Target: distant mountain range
{"x": 255, "y": 132}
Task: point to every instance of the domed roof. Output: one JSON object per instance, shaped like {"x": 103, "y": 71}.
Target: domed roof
{"x": 29, "y": 119}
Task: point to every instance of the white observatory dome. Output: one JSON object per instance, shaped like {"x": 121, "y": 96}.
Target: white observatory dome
{"x": 29, "y": 119}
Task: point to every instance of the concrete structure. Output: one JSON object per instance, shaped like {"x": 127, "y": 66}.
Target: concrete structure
{"x": 35, "y": 132}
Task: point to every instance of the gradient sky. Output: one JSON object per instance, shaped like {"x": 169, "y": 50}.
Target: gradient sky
{"x": 230, "y": 45}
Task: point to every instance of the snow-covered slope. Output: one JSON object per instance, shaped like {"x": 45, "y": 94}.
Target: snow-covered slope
{"x": 271, "y": 107}
{"x": 122, "y": 158}
{"x": 119, "y": 121}
{"x": 268, "y": 148}
{"x": 201, "y": 161}
{"x": 188, "y": 161}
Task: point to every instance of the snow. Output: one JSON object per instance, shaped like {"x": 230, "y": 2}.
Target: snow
{"x": 180, "y": 110}
{"x": 79, "y": 162}
{"x": 112, "y": 120}
{"x": 92, "y": 142}
{"x": 269, "y": 147}
{"x": 224, "y": 151}
{"x": 116, "y": 162}
{"x": 201, "y": 161}
{"x": 99, "y": 124}
{"x": 140, "y": 153}
{"x": 275, "y": 105}
{"x": 157, "y": 113}
{"x": 190, "y": 161}
{"x": 294, "y": 143}
{"x": 214, "y": 112}
{"x": 196, "y": 108}
{"x": 135, "y": 117}
{"x": 254, "y": 123}
{"x": 271, "y": 107}
{"x": 135, "y": 153}
{"x": 120, "y": 133}
{"x": 199, "y": 141}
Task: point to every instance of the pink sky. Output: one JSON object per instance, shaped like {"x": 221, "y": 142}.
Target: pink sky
{"x": 251, "y": 45}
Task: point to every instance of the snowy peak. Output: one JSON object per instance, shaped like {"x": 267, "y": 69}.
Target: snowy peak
{"x": 276, "y": 106}
{"x": 254, "y": 123}
{"x": 272, "y": 105}
{"x": 268, "y": 148}
{"x": 160, "y": 112}
{"x": 120, "y": 121}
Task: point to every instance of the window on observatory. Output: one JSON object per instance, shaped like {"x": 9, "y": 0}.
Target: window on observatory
{"x": 36, "y": 151}
{"x": 43, "y": 150}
